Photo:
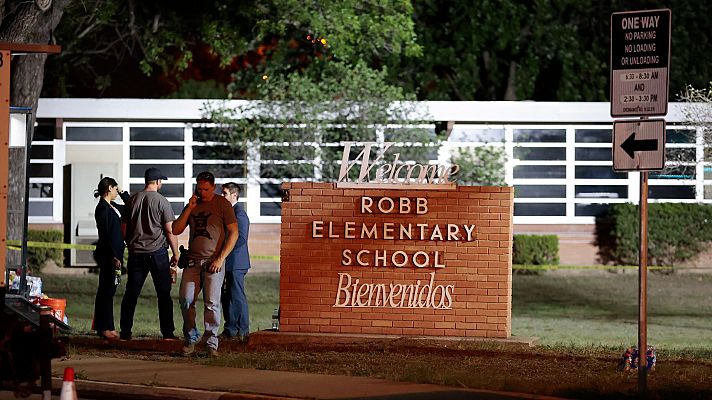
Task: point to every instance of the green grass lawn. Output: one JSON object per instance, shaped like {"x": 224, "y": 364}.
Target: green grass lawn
{"x": 562, "y": 311}
{"x": 262, "y": 291}
{"x": 602, "y": 310}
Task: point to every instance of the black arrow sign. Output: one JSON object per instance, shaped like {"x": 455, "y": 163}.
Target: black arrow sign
{"x": 630, "y": 145}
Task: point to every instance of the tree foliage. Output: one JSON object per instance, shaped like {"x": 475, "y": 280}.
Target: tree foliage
{"x": 698, "y": 111}
{"x": 106, "y": 42}
{"x": 480, "y": 165}
{"x": 508, "y": 50}
{"x": 308, "y": 115}
{"x": 545, "y": 50}
{"x": 317, "y": 85}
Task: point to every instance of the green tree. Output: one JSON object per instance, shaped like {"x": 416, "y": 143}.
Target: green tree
{"x": 144, "y": 48}
{"x": 317, "y": 86}
{"x": 543, "y": 50}
{"x": 108, "y": 41}
{"x": 508, "y": 50}
{"x": 480, "y": 165}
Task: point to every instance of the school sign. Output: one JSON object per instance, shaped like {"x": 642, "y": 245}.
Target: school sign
{"x": 396, "y": 253}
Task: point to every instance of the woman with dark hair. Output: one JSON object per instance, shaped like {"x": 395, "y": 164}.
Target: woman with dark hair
{"x": 109, "y": 254}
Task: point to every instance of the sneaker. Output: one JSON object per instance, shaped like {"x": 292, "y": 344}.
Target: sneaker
{"x": 212, "y": 353}
{"x": 188, "y": 350}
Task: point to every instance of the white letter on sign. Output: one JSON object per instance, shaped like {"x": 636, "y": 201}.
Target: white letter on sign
{"x": 343, "y": 288}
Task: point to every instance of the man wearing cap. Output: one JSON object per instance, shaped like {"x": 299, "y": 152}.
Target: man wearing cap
{"x": 147, "y": 226}
{"x": 213, "y": 234}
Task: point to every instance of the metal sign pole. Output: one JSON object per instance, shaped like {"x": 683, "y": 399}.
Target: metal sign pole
{"x": 643, "y": 286}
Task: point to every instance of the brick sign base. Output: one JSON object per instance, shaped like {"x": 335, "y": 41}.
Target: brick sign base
{"x": 396, "y": 262}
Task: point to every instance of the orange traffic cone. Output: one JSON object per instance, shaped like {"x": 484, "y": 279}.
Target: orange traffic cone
{"x": 69, "y": 391}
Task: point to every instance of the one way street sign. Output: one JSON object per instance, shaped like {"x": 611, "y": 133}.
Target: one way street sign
{"x": 639, "y": 145}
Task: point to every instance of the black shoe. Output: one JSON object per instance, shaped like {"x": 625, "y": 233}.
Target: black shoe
{"x": 170, "y": 337}
{"x": 243, "y": 339}
{"x": 123, "y": 336}
{"x": 225, "y": 335}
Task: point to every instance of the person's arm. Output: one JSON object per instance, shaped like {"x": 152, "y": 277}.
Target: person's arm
{"x": 243, "y": 226}
{"x": 124, "y": 217}
{"x": 230, "y": 240}
{"x": 181, "y": 223}
{"x": 172, "y": 241}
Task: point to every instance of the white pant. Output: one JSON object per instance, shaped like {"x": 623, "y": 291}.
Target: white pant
{"x": 194, "y": 279}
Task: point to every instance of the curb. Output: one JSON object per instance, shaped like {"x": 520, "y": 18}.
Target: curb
{"x": 124, "y": 391}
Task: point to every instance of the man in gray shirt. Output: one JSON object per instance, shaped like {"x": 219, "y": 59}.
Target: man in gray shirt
{"x": 147, "y": 225}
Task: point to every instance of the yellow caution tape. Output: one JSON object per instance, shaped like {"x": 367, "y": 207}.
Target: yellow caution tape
{"x": 16, "y": 245}
{"x": 51, "y": 245}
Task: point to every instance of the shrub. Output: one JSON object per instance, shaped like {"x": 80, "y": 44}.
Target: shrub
{"x": 37, "y": 256}
{"x": 535, "y": 250}
{"x": 676, "y": 232}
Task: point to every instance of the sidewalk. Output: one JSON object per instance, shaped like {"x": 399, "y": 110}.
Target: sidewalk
{"x": 103, "y": 377}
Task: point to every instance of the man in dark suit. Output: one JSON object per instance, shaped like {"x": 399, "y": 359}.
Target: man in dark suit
{"x": 233, "y": 299}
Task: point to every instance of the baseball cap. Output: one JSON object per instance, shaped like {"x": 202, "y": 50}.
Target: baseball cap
{"x": 154, "y": 174}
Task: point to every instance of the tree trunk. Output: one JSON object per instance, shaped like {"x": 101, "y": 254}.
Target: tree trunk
{"x": 510, "y": 93}
{"x": 24, "y": 22}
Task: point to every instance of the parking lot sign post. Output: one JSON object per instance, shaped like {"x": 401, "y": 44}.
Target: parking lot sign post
{"x": 640, "y": 61}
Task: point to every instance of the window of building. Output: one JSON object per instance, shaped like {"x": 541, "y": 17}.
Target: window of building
{"x": 601, "y": 191}
{"x": 593, "y": 154}
{"x": 41, "y": 152}
{"x": 594, "y": 136}
{"x": 540, "y": 135}
{"x": 222, "y": 171}
{"x": 671, "y": 192}
{"x": 40, "y": 209}
{"x": 539, "y": 209}
{"x": 170, "y": 170}
{"x": 158, "y": 133}
{"x": 591, "y": 210}
{"x": 156, "y": 153}
{"x": 540, "y": 172}
{"x": 598, "y": 172}
{"x": 540, "y": 191}
{"x": 94, "y": 133}
{"x": 271, "y": 209}
{"x": 40, "y": 190}
{"x": 540, "y": 153}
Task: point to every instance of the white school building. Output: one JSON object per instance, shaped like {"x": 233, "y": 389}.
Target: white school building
{"x": 558, "y": 160}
